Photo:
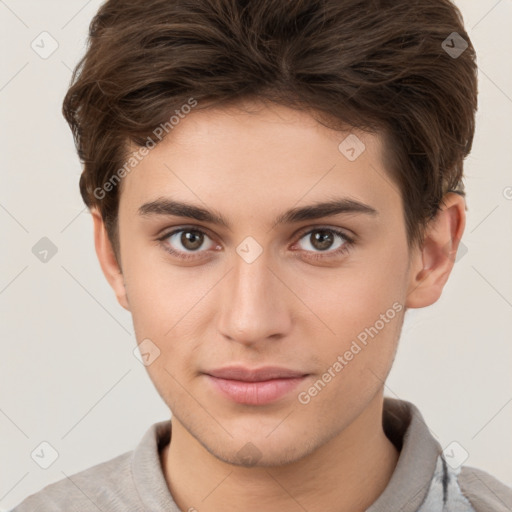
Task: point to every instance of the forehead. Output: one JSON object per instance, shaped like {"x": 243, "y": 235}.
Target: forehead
{"x": 258, "y": 159}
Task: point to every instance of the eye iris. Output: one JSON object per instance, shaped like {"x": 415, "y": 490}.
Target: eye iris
{"x": 325, "y": 239}
{"x": 194, "y": 237}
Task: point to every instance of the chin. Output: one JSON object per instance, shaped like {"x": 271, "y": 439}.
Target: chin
{"x": 259, "y": 451}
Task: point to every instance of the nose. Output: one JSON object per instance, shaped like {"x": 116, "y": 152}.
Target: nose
{"x": 255, "y": 302}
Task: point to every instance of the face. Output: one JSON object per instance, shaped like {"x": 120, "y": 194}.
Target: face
{"x": 321, "y": 295}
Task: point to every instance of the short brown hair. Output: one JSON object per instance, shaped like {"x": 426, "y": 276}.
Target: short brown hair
{"x": 376, "y": 65}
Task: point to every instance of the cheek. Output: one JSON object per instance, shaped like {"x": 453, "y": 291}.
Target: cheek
{"x": 158, "y": 294}
{"x": 168, "y": 308}
{"x": 363, "y": 308}
{"x": 356, "y": 299}
{"x": 150, "y": 307}
{"x": 355, "y": 361}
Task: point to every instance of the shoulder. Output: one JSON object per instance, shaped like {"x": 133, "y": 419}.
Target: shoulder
{"x": 98, "y": 487}
{"x": 484, "y": 492}
{"x": 465, "y": 489}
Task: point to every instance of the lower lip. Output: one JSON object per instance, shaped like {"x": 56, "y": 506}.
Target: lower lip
{"x": 255, "y": 393}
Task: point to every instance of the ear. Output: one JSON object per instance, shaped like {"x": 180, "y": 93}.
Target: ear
{"x": 107, "y": 259}
{"x": 432, "y": 262}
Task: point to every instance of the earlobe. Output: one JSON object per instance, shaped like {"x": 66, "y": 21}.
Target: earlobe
{"x": 433, "y": 261}
{"x": 107, "y": 259}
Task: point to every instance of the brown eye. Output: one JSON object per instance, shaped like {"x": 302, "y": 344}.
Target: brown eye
{"x": 191, "y": 240}
{"x": 321, "y": 240}
{"x": 186, "y": 242}
{"x": 324, "y": 240}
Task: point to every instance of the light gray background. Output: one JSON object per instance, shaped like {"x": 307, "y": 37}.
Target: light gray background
{"x": 68, "y": 373}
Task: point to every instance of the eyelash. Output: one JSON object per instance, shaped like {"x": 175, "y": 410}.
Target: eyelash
{"x": 347, "y": 245}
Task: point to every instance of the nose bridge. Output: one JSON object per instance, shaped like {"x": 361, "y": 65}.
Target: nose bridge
{"x": 252, "y": 308}
{"x": 251, "y": 280}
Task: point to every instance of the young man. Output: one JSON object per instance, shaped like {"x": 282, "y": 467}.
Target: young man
{"x": 273, "y": 184}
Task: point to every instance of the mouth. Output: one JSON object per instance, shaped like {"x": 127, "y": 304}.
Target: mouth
{"x": 254, "y": 387}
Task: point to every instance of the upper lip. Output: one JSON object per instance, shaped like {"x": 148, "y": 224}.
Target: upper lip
{"x": 254, "y": 375}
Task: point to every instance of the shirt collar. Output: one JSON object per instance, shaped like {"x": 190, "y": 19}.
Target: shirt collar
{"x": 148, "y": 476}
{"x": 405, "y": 427}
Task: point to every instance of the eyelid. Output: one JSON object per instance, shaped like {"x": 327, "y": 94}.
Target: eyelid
{"x": 347, "y": 234}
{"x": 349, "y": 240}
{"x": 166, "y": 233}
{"x": 335, "y": 229}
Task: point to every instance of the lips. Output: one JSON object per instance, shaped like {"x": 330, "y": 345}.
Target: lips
{"x": 254, "y": 386}
{"x": 240, "y": 373}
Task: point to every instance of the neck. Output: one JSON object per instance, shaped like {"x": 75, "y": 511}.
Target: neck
{"x": 347, "y": 473}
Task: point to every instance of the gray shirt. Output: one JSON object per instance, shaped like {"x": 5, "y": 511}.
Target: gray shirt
{"x": 424, "y": 480}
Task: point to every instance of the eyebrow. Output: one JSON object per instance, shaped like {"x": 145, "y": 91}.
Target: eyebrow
{"x": 165, "y": 206}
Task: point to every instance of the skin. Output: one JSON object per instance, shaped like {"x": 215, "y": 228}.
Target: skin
{"x": 283, "y": 309}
